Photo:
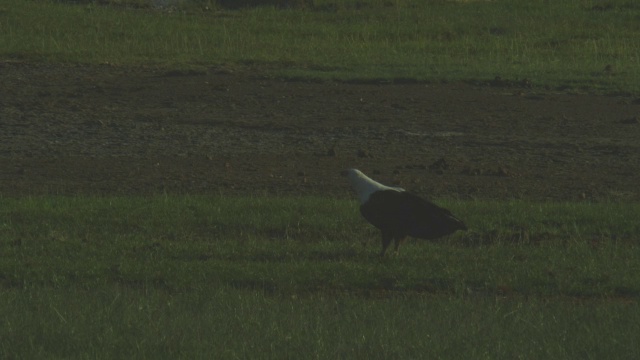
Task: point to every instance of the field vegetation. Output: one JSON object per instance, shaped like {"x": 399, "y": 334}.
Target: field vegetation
{"x": 565, "y": 44}
{"x": 179, "y": 276}
{"x": 191, "y": 276}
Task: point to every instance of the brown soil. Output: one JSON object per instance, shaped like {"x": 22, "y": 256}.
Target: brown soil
{"x": 113, "y": 130}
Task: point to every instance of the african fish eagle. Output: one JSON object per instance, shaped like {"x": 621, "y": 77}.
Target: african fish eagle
{"x": 398, "y": 213}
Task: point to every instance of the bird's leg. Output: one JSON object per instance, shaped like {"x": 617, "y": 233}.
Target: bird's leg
{"x": 396, "y": 243}
{"x": 386, "y": 240}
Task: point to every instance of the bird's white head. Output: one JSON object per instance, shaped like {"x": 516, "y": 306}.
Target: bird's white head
{"x": 365, "y": 186}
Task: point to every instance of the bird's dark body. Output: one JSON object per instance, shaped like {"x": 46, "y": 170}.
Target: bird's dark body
{"x": 399, "y": 214}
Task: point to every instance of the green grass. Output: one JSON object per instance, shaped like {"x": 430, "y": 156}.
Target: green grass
{"x": 193, "y": 277}
{"x": 127, "y": 323}
{"x": 565, "y": 43}
{"x": 202, "y": 277}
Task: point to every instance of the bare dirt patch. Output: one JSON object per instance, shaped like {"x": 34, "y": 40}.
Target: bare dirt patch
{"x": 112, "y": 130}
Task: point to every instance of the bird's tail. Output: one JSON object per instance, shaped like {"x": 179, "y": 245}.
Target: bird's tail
{"x": 458, "y": 224}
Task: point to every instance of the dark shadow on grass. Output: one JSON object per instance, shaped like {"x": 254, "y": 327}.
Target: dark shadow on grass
{"x": 515, "y": 235}
{"x": 281, "y": 4}
{"x": 266, "y": 287}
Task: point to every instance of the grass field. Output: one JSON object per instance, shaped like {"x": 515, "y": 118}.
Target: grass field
{"x": 563, "y": 44}
{"x": 233, "y": 277}
{"x": 299, "y": 277}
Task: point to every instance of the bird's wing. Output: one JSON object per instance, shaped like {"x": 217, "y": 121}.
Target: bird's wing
{"x": 385, "y": 210}
{"x": 403, "y": 213}
{"x": 425, "y": 219}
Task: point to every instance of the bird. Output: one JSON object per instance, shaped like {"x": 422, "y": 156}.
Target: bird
{"x": 398, "y": 213}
